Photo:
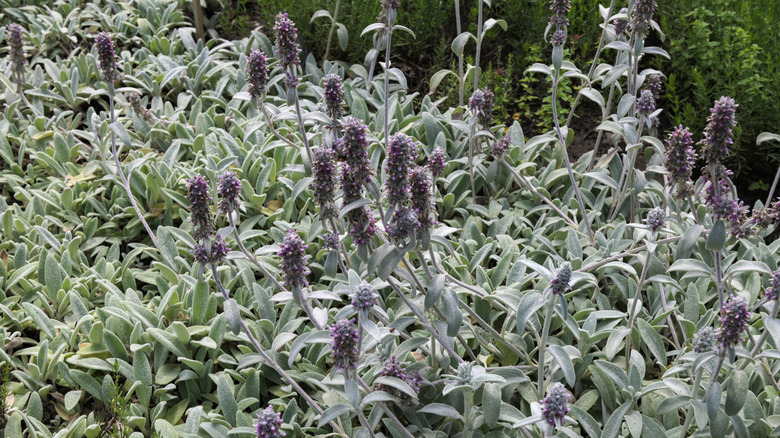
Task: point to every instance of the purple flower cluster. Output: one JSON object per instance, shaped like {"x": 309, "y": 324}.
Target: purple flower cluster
{"x": 393, "y": 368}
{"x": 559, "y": 8}
{"x": 499, "y": 147}
{"x": 211, "y": 251}
{"x": 655, "y": 218}
{"x": 334, "y": 96}
{"x": 717, "y": 198}
{"x": 680, "y": 158}
{"x": 561, "y": 283}
{"x": 107, "y": 57}
{"x": 481, "y": 105}
{"x": 361, "y": 219}
{"x": 331, "y": 240}
{"x": 269, "y": 424}
{"x": 645, "y": 105}
{"x": 556, "y": 405}
{"x": 257, "y": 73}
{"x": 287, "y": 48}
{"x": 641, "y": 17}
{"x": 402, "y": 224}
{"x": 229, "y": 189}
{"x": 292, "y": 251}
{"x": 653, "y": 83}
{"x": 621, "y": 25}
{"x": 437, "y": 161}
{"x": 763, "y": 217}
{"x": 345, "y": 344}
{"x": 422, "y": 198}
{"x": 390, "y": 4}
{"x": 719, "y": 131}
{"x": 773, "y": 291}
{"x": 733, "y": 321}
{"x": 353, "y": 149}
{"x": 558, "y": 38}
{"x": 364, "y": 298}
{"x": 704, "y": 341}
{"x": 16, "y": 53}
{"x": 198, "y": 195}
{"x": 325, "y": 181}
{"x": 740, "y": 223}
{"x": 401, "y": 151}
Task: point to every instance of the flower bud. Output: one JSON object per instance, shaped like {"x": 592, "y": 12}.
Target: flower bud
{"x": 107, "y": 57}
{"x": 733, "y": 321}
{"x": 16, "y": 46}
{"x": 257, "y": 73}
{"x": 334, "y": 96}
{"x": 481, "y": 105}
{"x": 556, "y": 405}
{"x": 704, "y": 341}
{"x": 403, "y": 223}
{"x": 437, "y": 161}
{"x": 286, "y": 47}
{"x": 645, "y": 105}
{"x": 401, "y": 150}
{"x": 269, "y": 424}
{"x": 229, "y": 189}
{"x": 655, "y": 218}
{"x": 393, "y": 368}
{"x": 198, "y": 195}
{"x": 364, "y": 298}
{"x": 561, "y": 283}
{"x": 500, "y": 146}
{"x": 719, "y": 131}
{"x": 345, "y": 344}
{"x": 325, "y": 180}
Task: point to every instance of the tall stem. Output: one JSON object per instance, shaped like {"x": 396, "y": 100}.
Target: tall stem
{"x": 603, "y": 118}
{"x": 471, "y": 155}
{"x": 387, "y": 80}
{"x": 543, "y": 345}
{"x": 774, "y": 186}
{"x": 566, "y": 157}
{"x": 632, "y": 313}
{"x": 536, "y": 192}
{"x": 270, "y": 124}
{"x": 332, "y": 29}
{"x": 460, "y": 57}
{"x": 689, "y": 412}
{"x": 479, "y": 45}
{"x": 300, "y": 125}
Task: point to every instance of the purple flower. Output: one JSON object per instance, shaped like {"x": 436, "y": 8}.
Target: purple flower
{"x": 422, "y": 198}
{"x": 481, "y": 105}
{"x": 345, "y": 344}
{"x": 500, "y": 146}
{"x": 364, "y": 298}
{"x": 211, "y": 251}
{"x": 558, "y": 38}
{"x": 229, "y": 189}
{"x": 680, "y": 158}
{"x": 334, "y": 96}
{"x": 16, "y": 53}
{"x": 718, "y": 133}
{"x": 363, "y": 226}
{"x": 559, "y": 8}
{"x": 740, "y": 224}
{"x": 641, "y": 17}
{"x": 390, "y": 4}
{"x": 107, "y": 57}
{"x": 353, "y": 149}
{"x": 561, "y": 283}
{"x": 645, "y": 105}
{"x": 733, "y": 321}
{"x": 556, "y": 405}
{"x": 325, "y": 181}
{"x": 775, "y": 208}
{"x": 331, "y": 240}
{"x": 257, "y": 73}
{"x": 403, "y": 223}
{"x": 763, "y": 217}
{"x": 287, "y": 48}
{"x": 653, "y": 83}
{"x": 621, "y": 25}
{"x": 655, "y": 218}
{"x": 292, "y": 251}
{"x": 393, "y": 368}
{"x": 401, "y": 152}
{"x": 704, "y": 341}
{"x": 198, "y": 195}
{"x": 269, "y": 424}
{"x": 437, "y": 161}
{"x": 773, "y": 291}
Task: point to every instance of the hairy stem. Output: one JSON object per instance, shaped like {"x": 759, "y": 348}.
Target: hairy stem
{"x": 332, "y": 29}
{"x": 543, "y": 345}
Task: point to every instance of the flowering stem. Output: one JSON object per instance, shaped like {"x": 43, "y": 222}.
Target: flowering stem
{"x": 669, "y": 318}
{"x": 387, "y": 79}
{"x": 774, "y": 186}
{"x": 468, "y": 398}
{"x": 574, "y": 185}
{"x": 471, "y": 152}
{"x": 460, "y": 58}
{"x": 689, "y": 412}
{"x": 332, "y": 29}
{"x": 536, "y": 192}
{"x": 270, "y": 124}
{"x": 632, "y": 313}
{"x": 716, "y": 373}
{"x": 603, "y": 119}
{"x": 272, "y": 363}
{"x": 125, "y": 184}
{"x": 300, "y": 124}
{"x": 250, "y": 257}
{"x": 716, "y": 255}
{"x": 626, "y": 174}
{"x": 543, "y": 345}
{"x": 387, "y": 411}
{"x": 479, "y": 46}
{"x": 760, "y": 342}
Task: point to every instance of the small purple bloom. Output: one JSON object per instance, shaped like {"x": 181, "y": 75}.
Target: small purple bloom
{"x": 641, "y": 17}
{"x": 719, "y": 131}
{"x": 704, "y": 341}
{"x": 16, "y": 46}
{"x": 211, "y": 251}
{"x": 287, "y": 48}
{"x": 733, "y": 321}
{"x": 229, "y": 189}
{"x": 655, "y": 218}
{"x": 345, "y": 344}
{"x": 680, "y": 158}
{"x": 401, "y": 152}
{"x": 334, "y": 96}
{"x": 558, "y": 38}
{"x": 269, "y": 424}
{"x": 293, "y": 265}
{"x": 403, "y": 223}
{"x": 645, "y": 105}
{"x": 390, "y": 4}
{"x": 325, "y": 181}
{"x": 773, "y": 291}
{"x": 198, "y": 195}
{"x": 364, "y": 298}
{"x": 363, "y": 226}
{"x": 500, "y": 146}
{"x": 481, "y": 105}
{"x": 257, "y": 73}
{"x": 561, "y": 283}
{"x": 393, "y": 368}
{"x": 559, "y": 8}
{"x": 621, "y": 25}
{"x": 331, "y": 240}
{"x": 653, "y": 83}
{"x": 353, "y": 149}
{"x": 107, "y": 57}
{"x": 422, "y": 198}
{"x": 556, "y": 405}
{"x": 437, "y": 161}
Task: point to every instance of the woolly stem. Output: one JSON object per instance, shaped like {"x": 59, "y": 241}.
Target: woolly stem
{"x": 774, "y": 186}
{"x": 479, "y": 45}
{"x": 332, "y": 29}
{"x": 632, "y": 313}
{"x": 270, "y": 124}
{"x": 543, "y": 345}
{"x": 301, "y": 126}
{"x": 460, "y": 57}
